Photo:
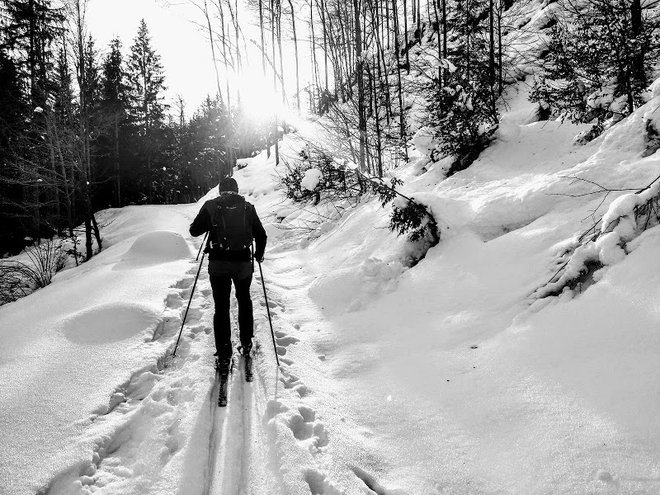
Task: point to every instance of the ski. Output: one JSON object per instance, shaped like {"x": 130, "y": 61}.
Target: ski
{"x": 248, "y": 367}
{"x": 223, "y": 369}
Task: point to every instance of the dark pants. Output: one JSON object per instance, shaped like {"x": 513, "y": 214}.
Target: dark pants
{"x": 221, "y": 286}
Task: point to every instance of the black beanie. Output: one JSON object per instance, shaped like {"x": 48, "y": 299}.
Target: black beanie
{"x": 228, "y": 184}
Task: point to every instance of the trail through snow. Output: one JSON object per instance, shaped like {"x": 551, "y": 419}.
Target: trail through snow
{"x": 447, "y": 377}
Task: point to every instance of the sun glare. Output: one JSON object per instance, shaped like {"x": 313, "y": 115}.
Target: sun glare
{"x": 259, "y": 100}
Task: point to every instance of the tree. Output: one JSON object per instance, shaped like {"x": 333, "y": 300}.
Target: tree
{"x": 11, "y": 129}
{"x": 33, "y": 27}
{"x": 597, "y": 63}
{"x": 145, "y": 100}
{"x": 31, "y": 30}
{"x": 114, "y": 109}
{"x": 463, "y": 100}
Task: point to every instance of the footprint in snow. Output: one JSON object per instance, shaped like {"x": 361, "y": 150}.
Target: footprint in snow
{"x": 272, "y": 304}
{"x": 184, "y": 283}
{"x": 194, "y": 314}
{"x": 287, "y": 341}
{"x": 289, "y": 380}
{"x": 301, "y": 389}
{"x": 318, "y": 483}
{"x": 174, "y": 300}
{"x": 306, "y": 429}
{"x": 194, "y": 330}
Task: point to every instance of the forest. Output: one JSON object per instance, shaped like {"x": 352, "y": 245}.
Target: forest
{"x": 85, "y": 127}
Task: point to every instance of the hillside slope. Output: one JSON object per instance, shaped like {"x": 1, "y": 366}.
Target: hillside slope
{"x": 446, "y": 377}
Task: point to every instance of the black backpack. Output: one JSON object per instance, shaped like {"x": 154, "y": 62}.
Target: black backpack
{"x": 232, "y": 222}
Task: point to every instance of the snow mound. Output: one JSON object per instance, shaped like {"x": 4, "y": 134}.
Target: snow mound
{"x": 157, "y": 247}
{"x": 108, "y": 323}
{"x": 349, "y": 289}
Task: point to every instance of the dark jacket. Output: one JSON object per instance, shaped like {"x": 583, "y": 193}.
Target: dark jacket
{"x": 203, "y": 223}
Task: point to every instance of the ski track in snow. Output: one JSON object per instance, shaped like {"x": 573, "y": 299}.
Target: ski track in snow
{"x": 162, "y": 432}
{"x": 246, "y": 442}
{"x": 238, "y": 449}
{"x": 143, "y": 415}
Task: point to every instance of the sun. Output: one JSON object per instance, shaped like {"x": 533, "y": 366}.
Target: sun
{"x": 260, "y": 103}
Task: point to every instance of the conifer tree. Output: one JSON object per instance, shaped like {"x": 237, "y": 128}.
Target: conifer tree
{"x": 463, "y": 100}
{"x": 145, "y": 100}
{"x": 11, "y": 130}
{"x": 114, "y": 108}
{"x": 597, "y": 63}
{"x": 31, "y": 30}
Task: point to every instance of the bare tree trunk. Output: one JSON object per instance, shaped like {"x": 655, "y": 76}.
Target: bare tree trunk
{"x": 325, "y": 45}
{"x": 295, "y": 45}
{"x": 261, "y": 32}
{"x": 500, "y": 78}
{"x": 279, "y": 47}
{"x": 116, "y": 162}
{"x": 397, "y": 49}
{"x": 379, "y": 145}
{"x": 313, "y": 42}
{"x": 467, "y": 40}
{"x": 85, "y": 151}
{"x": 491, "y": 53}
{"x": 275, "y": 123}
{"x": 263, "y": 59}
{"x": 405, "y": 34}
{"x": 638, "y": 66}
{"x": 229, "y": 150}
{"x": 360, "y": 84}
{"x": 212, "y": 42}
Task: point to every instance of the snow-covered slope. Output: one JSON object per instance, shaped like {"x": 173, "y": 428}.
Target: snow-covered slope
{"x": 448, "y": 377}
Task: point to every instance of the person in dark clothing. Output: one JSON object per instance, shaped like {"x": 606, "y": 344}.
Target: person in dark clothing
{"x": 232, "y": 224}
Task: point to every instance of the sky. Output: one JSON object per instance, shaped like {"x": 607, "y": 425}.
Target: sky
{"x": 185, "y": 51}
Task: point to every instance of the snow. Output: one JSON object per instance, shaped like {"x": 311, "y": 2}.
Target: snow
{"x": 311, "y": 179}
{"x": 423, "y": 140}
{"x": 108, "y": 323}
{"x": 67, "y": 348}
{"x": 450, "y": 376}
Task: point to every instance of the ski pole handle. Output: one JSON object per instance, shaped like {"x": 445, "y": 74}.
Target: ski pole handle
{"x": 202, "y": 246}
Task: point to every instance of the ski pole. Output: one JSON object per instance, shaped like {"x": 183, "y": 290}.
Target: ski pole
{"x": 201, "y": 246}
{"x": 185, "y": 315}
{"x": 270, "y": 321}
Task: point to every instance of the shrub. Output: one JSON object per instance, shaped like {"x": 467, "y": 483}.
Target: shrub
{"x": 342, "y": 180}
{"x": 18, "y": 278}
{"x": 337, "y": 182}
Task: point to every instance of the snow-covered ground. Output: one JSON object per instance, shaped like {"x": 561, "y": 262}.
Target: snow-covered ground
{"x": 445, "y": 378}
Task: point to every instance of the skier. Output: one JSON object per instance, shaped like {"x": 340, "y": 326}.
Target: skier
{"x": 232, "y": 224}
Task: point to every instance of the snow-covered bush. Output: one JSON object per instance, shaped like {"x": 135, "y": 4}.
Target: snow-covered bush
{"x": 316, "y": 172}
{"x": 318, "y": 176}
{"x": 414, "y": 219}
{"x": 463, "y": 100}
{"x": 606, "y": 243}
{"x": 466, "y": 120}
